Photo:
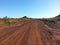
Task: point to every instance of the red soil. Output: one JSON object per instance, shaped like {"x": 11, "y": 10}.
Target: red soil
{"x": 29, "y": 33}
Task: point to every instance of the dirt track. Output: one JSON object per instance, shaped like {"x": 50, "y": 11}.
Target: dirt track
{"x": 31, "y": 33}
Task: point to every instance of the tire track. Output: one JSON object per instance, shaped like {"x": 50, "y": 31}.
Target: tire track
{"x": 13, "y": 35}
{"x": 30, "y": 37}
{"x": 9, "y": 31}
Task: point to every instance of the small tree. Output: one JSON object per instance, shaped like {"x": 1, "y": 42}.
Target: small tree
{"x": 6, "y": 20}
{"x": 25, "y": 17}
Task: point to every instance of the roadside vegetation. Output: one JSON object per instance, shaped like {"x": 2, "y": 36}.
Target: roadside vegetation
{"x": 54, "y": 19}
{"x": 8, "y": 21}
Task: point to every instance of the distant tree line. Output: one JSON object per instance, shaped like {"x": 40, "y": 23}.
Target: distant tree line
{"x": 8, "y": 20}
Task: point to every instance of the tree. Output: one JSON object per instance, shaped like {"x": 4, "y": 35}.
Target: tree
{"x": 25, "y": 17}
{"x": 6, "y": 20}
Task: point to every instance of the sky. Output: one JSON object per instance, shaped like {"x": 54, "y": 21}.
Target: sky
{"x": 29, "y": 8}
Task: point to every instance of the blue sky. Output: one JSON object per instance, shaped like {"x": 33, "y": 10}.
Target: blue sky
{"x": 30, "y": 8}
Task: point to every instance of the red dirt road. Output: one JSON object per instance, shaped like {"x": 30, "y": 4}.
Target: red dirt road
{"x": 31, "y": 33}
